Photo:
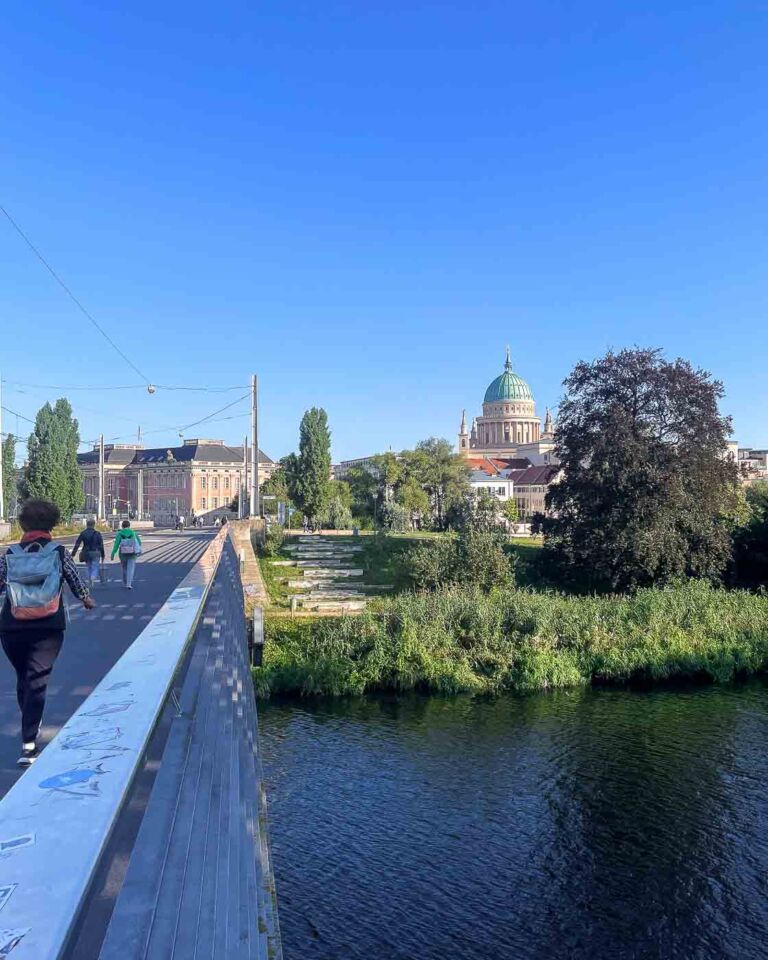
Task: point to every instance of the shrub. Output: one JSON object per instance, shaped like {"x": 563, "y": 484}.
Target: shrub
{"x": 474, "y": 558}
{"x": 273, "y": 542}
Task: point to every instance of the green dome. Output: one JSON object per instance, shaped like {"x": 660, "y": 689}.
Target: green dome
{"x": 508, "y": 386}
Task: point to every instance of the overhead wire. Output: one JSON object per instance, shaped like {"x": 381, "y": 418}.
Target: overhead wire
{"x": 71, "y": 295}
{"x": 126, "y": 386}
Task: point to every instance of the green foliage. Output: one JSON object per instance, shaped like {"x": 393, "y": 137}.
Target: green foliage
{"x": 460, "y": 639}
{"x": 52, "y": 472}
{"x": 751, "y": 539}
{"x": 395, "y": 516}
{"x": 336, "y": 515}
{"x": 509, "y": 510}
{"x": 647, "y": 494}
{"x": 307, "y": 475}
{"x": 475, "y": 558}
{"x": 273, "y": 542}
{"x": 9, "y": 473}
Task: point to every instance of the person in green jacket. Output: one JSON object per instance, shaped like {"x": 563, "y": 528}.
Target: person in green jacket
{"x": 128, "y": 546}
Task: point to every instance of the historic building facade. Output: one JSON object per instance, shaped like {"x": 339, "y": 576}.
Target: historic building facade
{"x": 508, "y": 426}
{"x": 198, "y": 477}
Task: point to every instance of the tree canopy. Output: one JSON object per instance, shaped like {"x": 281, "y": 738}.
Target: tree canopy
{"x": 751, "y": 539}
{"x": 52, "y": 472}
{"x": 647, "y": 493}
{"x": 9, "y": 473}
{"x": 308, "y": 474}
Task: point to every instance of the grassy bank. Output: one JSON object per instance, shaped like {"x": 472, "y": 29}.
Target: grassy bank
{"x": 463, "y": 641}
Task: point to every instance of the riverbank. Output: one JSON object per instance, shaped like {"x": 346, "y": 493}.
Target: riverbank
{"x": 463, "y": 641}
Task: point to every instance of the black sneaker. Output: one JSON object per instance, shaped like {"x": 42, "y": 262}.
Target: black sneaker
{"x": 28, "y": 755}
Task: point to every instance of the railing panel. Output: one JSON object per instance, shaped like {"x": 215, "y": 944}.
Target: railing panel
{"x": 57, "y": 819}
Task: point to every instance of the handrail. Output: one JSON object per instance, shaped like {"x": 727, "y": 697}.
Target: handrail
{"x": 57, "y": 819}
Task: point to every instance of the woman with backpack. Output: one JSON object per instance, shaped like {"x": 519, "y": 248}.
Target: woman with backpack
{"x": 128, "y": 546}
{"x": 92, "y": 553}
{"x": 32, "y": 619}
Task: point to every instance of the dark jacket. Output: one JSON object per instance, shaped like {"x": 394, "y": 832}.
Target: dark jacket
{"x": 56, "y": 621}
{"x": 91, "y": 541}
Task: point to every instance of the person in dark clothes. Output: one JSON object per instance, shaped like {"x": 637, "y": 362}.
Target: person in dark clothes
{"x": 32, "y": 645}
{"x": 92, "y": 553}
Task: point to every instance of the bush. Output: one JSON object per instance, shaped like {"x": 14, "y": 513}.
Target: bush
{"x": 460, "y": 639}
{"x": 273, "y": 542}
{"x": 336, "y": 516}
{"x": 395, "y": 517}
{"x": 474, "y": 558}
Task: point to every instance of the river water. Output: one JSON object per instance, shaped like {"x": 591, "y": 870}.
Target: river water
{"x": 588, "y": 824}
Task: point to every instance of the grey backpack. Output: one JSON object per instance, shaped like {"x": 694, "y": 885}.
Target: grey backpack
{"x": 34, "y": 581}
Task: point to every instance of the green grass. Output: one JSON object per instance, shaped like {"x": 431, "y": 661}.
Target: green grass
{"x": 463, "y": 641}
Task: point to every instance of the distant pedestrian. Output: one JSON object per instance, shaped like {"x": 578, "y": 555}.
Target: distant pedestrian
{"x": 217, "y": 523}
{"x": 92, "y": 552}
{"x": 181, "y": 522}
{"x": 32, "y": 619}
{"x": 128, "y": 546}
{"x": 223, "y": 521}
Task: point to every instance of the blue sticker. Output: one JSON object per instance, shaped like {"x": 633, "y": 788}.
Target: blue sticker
{"x": 67, "y": 779}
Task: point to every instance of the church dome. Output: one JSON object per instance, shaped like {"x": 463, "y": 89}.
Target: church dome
{"x": 508, "y": 386}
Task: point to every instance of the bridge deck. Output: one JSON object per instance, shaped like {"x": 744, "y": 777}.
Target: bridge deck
{"x": 97, "y": 639}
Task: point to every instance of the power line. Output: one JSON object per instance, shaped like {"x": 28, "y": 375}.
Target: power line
{"x": 71, "y": 295}
{"x": 215, "y": 412}
{"x": 127, "y": 386}
{"x": 19, "y": 415}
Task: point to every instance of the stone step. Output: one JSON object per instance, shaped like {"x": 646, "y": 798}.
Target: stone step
{"x": 332, "y": 606}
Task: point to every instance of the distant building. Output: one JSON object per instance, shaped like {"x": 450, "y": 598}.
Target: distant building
{"x": 195, "y": 478}
{"x": 514, "y": 478}
{"x": 752, "y": 464}
{"x": 508, "y": 426}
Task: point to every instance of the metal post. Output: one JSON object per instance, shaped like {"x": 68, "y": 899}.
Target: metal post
{"x": 254, "y": 448}
{"x": 141, "y": 495}
{"x": 244, "y": 491}
{"x": 100, "y": 508}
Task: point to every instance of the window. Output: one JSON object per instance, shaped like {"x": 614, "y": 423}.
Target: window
{"x": 203, "y": 483}
{"x": 226, "y": 483}
{"x": 202, "y": 503}
{"x": 501, "y": 491}
{"x": 214, "y": 483}
{"x": 215, "y": 502}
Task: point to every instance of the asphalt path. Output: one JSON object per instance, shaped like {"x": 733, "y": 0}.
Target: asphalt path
{"x": 97, "y": 638}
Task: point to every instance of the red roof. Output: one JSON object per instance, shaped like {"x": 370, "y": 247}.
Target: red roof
{"x": 492, "y": 466}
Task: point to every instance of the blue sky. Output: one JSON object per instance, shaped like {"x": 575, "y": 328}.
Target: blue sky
{"x": 365, "y": 202}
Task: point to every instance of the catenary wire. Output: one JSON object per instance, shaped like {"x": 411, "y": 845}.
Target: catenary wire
{"x": 71, "y": 295}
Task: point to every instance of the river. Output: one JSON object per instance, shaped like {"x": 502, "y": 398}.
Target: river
{"x": 585, "y": 824}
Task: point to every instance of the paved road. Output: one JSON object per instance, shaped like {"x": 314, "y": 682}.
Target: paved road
{"x": 97, "y": 638}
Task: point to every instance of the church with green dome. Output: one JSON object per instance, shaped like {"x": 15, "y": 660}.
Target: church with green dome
{"x": 508, "y": 426}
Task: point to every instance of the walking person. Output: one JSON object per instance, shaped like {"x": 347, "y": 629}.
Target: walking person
{"x": 92, "y": 552}
{"x": 33, "y": 618}
{"x": 128, "y": 545}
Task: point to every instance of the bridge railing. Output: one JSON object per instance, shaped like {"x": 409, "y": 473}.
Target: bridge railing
{"x": 58, "y": 819}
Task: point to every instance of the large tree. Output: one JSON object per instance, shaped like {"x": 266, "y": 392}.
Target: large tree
{"x": 647, "y": 493}
{"x": 9, "y": 473}
{"x": 308, "y": 475}
{"x": 751, "y": 539}
{"x": 441, "y": 473}
{"x": 52, "y": 472}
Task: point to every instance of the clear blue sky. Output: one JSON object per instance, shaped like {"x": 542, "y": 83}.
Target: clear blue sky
{"x": 365, "y": 202}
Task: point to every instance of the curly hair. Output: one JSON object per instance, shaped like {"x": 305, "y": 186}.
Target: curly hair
{"x": 39, "y": 515}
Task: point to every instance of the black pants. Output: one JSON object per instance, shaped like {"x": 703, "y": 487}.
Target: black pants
{"x": 32, "y": 654}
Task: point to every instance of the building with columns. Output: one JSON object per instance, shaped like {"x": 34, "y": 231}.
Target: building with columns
{"x": 196, "y": 478}
{"x": 508, "y": 426}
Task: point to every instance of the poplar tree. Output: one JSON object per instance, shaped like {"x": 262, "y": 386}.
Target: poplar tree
{"x": 52, "y": 472}
{"x": 308, "y": 475}
{"x": 9, "y": 473}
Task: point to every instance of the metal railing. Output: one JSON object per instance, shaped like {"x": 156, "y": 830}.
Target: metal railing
{"x": 57, "y": 820}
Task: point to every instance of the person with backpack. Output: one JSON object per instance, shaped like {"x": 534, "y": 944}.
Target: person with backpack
{"x": 92, "y": 552}
{"x": 33, "y": 617}
{"x": 128, "y": 545}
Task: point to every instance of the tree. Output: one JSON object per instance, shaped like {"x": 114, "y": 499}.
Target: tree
{"x": 441, "y": 473}
{"x": 9, "y": 473}
{"x": 308, "y": 475}
{"x": 647, "y": 493}
{"x": 52, "y": 471}
{"x": 474, "y": 558}
{"x": 509, "y": 511}
{"x": 751, "y": 539}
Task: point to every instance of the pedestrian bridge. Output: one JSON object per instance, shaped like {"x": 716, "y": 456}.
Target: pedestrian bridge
{"x": 140, "y": 833}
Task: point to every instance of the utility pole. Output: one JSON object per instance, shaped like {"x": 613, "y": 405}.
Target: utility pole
{"x": 100, "y": 510}
{"x": 141, "y": 494}
{"x": 2, "y": 485}
{"x": 244, "y": 481}
{"x": 255, "y": 511}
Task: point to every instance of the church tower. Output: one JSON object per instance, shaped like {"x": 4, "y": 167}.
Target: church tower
{"x": 463, "y": 435}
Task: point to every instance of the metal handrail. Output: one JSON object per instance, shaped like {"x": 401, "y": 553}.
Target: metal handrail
{"x": 56, "y": 821}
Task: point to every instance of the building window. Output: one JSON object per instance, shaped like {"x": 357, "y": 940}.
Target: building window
{"x": 226, "y": 483}
{"x": 501, "y": 491}
{"x": 215, "y": 502}
{"x": 203, "y": 483}
{"x": 202, "y": 503}
{"x": 214, "y": 483}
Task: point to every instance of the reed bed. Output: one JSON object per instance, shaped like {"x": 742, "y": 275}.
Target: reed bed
{"x": 461, "y": 640}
